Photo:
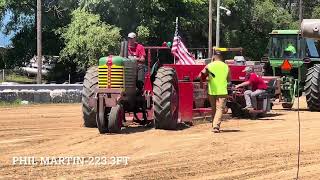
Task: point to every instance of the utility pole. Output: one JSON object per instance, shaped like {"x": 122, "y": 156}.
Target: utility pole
{"x": 210, "y": 30}
{"x": 218, "y": 25}
{"x": 39, "y": 42}
{"x": 300, "y": 12}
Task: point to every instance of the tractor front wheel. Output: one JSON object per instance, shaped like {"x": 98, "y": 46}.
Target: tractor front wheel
{"x": 116, "y": 118}
{"x": 102, "y": 117}
{"x": 166, "y": 99}
{"x": 312, "y": 88}
{"x": 89, "y": 85}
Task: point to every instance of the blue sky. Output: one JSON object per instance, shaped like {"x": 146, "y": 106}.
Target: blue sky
{"x": 4, "y": 39}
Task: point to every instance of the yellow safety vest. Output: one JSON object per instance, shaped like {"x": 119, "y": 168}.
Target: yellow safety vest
{"x": 218, "y": 85}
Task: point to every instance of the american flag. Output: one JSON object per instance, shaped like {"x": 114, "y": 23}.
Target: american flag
{"x": 181, "y": 53}
{"x": 179, "y": 50}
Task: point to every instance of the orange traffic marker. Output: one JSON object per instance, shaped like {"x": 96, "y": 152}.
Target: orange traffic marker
{"x": 286, "y": 66}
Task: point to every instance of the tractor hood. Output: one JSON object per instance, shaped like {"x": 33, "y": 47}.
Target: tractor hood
{"x": 116, "y": 60}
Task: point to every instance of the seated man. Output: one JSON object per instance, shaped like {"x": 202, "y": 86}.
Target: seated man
{"x": 290, "y": 51}
{"x": 258, "y": 86}
{"x": 136, "y": 51}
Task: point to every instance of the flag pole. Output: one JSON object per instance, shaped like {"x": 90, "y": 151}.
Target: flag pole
{"x": 177, "y": 26}
{"x": 176, "y": 34}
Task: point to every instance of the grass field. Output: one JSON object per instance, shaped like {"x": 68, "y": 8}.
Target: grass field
{"x": 13, "y": 77}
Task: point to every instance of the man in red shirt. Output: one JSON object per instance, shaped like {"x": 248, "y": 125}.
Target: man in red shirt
{"x": 136, "y": 51}
{"x": 258, "y": 86}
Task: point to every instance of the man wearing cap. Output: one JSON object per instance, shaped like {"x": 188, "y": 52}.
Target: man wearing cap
{"x": 135, "y": 49}
{"x": 258, "y": 86}
{"x": 290, "y": 51}
{"x": 218, "y": 76}
{"x": 137, "y": 52}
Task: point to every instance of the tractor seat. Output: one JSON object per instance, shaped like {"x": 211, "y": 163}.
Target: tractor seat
{"x": 270, "y": 90}
{"x": 263, "y": 95}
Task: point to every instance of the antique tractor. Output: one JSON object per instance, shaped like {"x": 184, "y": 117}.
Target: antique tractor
{"x": 171, "y": 93}
{"x": 296, "y": 60}
{"x": 111, "y": 92}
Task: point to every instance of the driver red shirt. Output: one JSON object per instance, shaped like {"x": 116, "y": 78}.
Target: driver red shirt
{"x": 257, "y": 82}
{"x": 137, "y": 50}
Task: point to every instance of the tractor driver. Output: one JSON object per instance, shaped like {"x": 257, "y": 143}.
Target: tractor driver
{"x": 258, "y": 86}
{"x": 290, "y": 51}
{"x": 136, "y": 51}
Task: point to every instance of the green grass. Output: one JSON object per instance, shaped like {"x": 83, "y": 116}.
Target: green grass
{"x": 18, "y": 79}
{"x": 17, "y": 102}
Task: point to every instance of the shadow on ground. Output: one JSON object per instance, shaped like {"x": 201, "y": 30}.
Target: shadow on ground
{"x": 229, "y": 130}
{"x": 129, "y": 129}
{"x": 136, "y": 129}
{"x": 268, "y": 116}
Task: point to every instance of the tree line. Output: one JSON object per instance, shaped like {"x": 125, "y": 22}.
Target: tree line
{"x": 82, "y": 31}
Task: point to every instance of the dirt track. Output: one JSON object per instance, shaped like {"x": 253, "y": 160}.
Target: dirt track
{"x": 247, "y": 149}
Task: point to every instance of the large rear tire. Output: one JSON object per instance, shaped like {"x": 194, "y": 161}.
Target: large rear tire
{"x": 312, "y": 88}
{"x": 89, "y": 85}
{"x": 166, "y": 99}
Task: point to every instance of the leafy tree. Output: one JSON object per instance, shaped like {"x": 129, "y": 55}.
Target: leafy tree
{"x": 143, "y": 34}
{"x": 80, "y": 42}
{"x": 156, "y": 15}
{"x": 87, "y": 39}
{"x": 250, "y": 24}
{"x": 56, "y": 13}
{"x": 316, "y": 12}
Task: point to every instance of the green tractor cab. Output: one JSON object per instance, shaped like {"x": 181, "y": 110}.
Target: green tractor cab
{"x": 297, "y": 61}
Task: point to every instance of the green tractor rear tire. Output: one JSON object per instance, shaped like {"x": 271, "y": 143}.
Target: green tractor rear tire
{"x": 89, "y": 85}
{"x": 166, "y": 99}
{"x": 312, "y": 88}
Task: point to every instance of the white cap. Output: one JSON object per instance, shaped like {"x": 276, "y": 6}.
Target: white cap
{"x": 132, "y": 35}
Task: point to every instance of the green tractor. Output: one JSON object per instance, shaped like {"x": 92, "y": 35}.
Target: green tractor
{"x": 296, "y": 60}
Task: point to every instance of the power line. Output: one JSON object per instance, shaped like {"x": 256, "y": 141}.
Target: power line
{"x": 299, "y": 120}
{"x": 210, "y": 30}
{"x": 300, "y": 12}
{"x": 299, "y": 134}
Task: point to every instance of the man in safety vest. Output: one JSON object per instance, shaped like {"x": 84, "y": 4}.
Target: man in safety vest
{"x": 218, "y": 77}
{"x": 290, "y": 51}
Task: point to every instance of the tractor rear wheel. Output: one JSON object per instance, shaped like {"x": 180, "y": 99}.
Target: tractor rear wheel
{"x": 89, "y": 85}
{"x": 116, "y": 118}
{"x": 312, "y": 88}
{"x": 166, "y": 99}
